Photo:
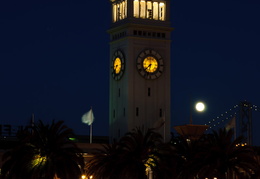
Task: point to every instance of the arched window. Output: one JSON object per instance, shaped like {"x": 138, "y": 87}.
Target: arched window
{"x": 136, "y": 8}
{"x": 147, "y": 9}
{"x": 119, "y": 10}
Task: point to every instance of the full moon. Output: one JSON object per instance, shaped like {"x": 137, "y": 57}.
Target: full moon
{"x": 200, "y": 106}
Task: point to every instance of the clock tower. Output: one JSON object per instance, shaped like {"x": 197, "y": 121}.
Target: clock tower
{"x": 140, "y": 44}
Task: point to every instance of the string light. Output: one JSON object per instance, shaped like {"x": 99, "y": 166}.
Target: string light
{"x": 227, "y": 115}
{"x": 223, "y": 117}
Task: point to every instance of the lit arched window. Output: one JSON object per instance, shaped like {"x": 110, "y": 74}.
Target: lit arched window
{"x": 147, "y": 9}
{"x": 119, "y": 10}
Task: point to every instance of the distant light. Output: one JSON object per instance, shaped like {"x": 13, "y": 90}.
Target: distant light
{"x": 200, "y": 106}
{"x": 72, "y": 138}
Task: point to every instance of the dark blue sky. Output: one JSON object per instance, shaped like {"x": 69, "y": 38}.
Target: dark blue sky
{"x": 54, "y": 60}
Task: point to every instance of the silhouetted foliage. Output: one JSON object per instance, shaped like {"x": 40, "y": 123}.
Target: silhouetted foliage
{"x": 225, "y": 157}
{"x": 213, "y": 155}
{"x": 216, "y": 155}
{"x": 132, "y": 156}
{"x": 43, "y": 151}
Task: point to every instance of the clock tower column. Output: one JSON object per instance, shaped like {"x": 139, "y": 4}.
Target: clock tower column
{"x": 140, "y": 44}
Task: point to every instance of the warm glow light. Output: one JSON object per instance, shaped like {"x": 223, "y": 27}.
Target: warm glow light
{"x": 150, "y": 10}
{"x": 200, "y": 106}
{"x": 162, "y": 12}
{"x": 119, "y": 11}
{"x": 136, "y": 8}
{"x": 150, "y": 64}
{"x": 117, "y": 65}
{"x": 38, "y": 160}
{"x": 142, "y": 9}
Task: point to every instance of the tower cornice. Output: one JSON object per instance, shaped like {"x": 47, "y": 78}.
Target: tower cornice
{"x": 140, "y": 26}
{"x": 141, "y": 22}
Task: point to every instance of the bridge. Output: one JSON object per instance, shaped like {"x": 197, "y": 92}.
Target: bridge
{"x": 239, "y": 117}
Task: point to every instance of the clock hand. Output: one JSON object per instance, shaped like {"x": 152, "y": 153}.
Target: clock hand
{"x": 148, "y": 72}
{"x": 115, "y": 67}
{"x": 149, "y": 66}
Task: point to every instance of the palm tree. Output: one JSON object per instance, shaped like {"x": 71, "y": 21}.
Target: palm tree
{"x": 104, "y": 164}
{"x": 44, "y": 151}
{"x": 224, "y": 157}
{"x": 144, "y": 152}
{"x": 215, "y": 155}
{"x": 188, "y": 152}
{"x": 132, "y": 157}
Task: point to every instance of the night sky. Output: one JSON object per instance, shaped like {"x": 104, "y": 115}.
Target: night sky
{"x": 54, "y": 60}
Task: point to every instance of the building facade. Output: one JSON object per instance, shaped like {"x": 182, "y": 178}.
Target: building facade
{"x": 140, "y": 44}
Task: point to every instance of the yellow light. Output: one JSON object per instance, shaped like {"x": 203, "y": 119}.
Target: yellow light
{"x": 117, "y": 65}
{"x": 83, "y": 176}
{"x": 161, "y": 4}
{"x": 38, "y": 160}
{"x": 150, "y": 64}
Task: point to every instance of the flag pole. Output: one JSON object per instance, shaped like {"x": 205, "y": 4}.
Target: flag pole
{"x": 88, "y": 119}
{"x": 90, "y": 135}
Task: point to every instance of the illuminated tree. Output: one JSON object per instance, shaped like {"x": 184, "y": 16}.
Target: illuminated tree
{"x": 134, "y": 156}
{"x": 44, "y": 151}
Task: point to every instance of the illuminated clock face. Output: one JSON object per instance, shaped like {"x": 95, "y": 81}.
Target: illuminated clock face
{"x": 150, "y": 64}
{"x": 118, "y": 65}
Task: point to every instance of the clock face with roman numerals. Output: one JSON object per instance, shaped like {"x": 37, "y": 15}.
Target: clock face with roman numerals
{"x": 118, "y": 65}
{"x": 150, "y": 64}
